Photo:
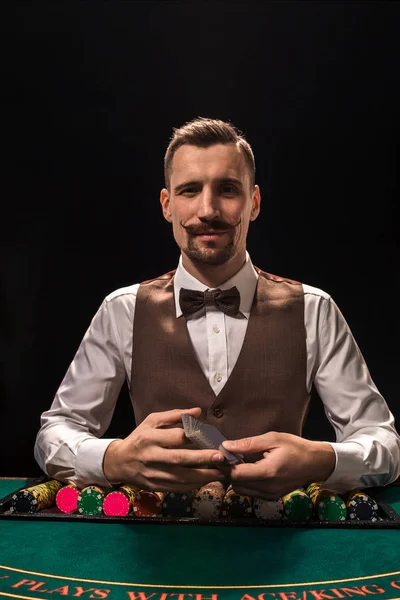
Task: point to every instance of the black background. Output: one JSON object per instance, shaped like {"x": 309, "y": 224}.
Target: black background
{"x": 91, "y": 94}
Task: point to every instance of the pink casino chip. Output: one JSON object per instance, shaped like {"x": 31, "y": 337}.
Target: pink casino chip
{"x": 116, "y": 504}
{"x": 67, "y": 499}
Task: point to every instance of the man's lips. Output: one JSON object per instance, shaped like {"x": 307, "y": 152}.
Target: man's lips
{"x": 210, "y": 235}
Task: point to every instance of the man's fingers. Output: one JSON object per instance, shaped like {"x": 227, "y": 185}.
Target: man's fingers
{"x": 187, "y": 458}
{"x": 170, "y": 417}
{"x": 244, "y": 491}
{"x": 167, "y": 438}
{"x": 248, "y": 472}
{"x": 200, "y": 477}
{"x": 194, "y": 477}
{"x": 182, "y": 451}
{"x": 250, "y": 445}
{"x": 179, "y": 478}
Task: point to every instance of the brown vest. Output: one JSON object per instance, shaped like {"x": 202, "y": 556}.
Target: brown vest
{"x": 266, "y": 390}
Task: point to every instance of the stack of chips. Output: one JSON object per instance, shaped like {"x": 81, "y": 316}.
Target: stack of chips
{"x": 210, "y": 502}
{"x": 297, "y": 505}
{"x": 235, "y": 505}
{"x": 267, "y": 510}
{"x": 361, "y": 507}
{"x": 119, "y": 503}
{"x": 90, "y": 500}
{"x": 328, "y": 505}
{"x": 67, "y": 498}
{"x": 148, "y": 504}
{"x": 178, "y": 504}
{"x": 35, "y": 498}
{"x": 207, "y": 501}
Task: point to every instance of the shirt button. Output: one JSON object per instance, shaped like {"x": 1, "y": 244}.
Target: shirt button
{"x": 218, "y": 413}
{"x": 216, "y": 329}
{"x": 218, "y": 377}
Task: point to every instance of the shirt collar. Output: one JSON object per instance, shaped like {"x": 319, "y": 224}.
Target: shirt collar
{"x": 245, "y": 280}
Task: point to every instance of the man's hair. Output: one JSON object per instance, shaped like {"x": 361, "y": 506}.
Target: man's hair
{"x": 204, "y": 132}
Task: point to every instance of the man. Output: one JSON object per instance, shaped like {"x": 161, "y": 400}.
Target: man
{"x": 243, "y": 356}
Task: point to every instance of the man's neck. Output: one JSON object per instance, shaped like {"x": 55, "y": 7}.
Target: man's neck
{"x": 214, "y": 275}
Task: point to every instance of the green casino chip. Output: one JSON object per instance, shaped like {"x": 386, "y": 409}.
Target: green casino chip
{"x": 332, "y": 508}
{"x": 297, "y": 505}
{"x": 90, "y": 501}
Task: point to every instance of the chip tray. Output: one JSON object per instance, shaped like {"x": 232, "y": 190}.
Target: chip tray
{"x": 388, "y": 518}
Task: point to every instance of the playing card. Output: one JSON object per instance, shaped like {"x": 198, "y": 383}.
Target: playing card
{"x": 207, "y": 436}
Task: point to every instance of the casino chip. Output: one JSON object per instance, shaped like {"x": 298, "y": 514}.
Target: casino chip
{"x": 67, "y": 498}
{"x": 116, "y": 504}
{"x": 267, "y": 510}
{"x": 24, "y": 501}
{"x": 90, "y": 501}
{"x": 332, "y": 508}
{"x": 235, "y": 505}
{"x": 35, "y": 498}
{"x": 178, "y": 504}
{"x": 297, "y": 505}
{"x": 148, "y": 503}
{"x": 361, "y": 507}
{"x": 328, "y": 505}
{"x": 207, "y": 501}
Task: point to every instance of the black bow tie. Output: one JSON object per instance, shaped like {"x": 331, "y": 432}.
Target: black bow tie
{"x": 192, "y": 301}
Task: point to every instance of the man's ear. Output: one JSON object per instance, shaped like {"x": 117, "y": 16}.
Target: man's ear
{"x": 256, "y": 201}
{"x": 164, "y": 200}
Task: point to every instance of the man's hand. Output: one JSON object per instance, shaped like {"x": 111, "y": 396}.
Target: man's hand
{"x": 288, "y": 462}
{"x": 153, "y": 456}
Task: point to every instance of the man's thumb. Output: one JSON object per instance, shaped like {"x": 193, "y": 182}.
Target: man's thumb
{"x": 244, "y": 445}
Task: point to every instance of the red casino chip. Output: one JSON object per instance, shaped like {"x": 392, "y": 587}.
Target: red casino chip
{"x": 67, "y": 499}
{"x": 116, "y": 504}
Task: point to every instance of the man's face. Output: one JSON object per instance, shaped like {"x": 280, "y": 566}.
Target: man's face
{"x": 210, "y": 203}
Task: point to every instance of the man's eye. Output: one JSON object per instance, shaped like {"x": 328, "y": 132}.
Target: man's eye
{"x": 190, "y": 191}
{"x": 228, "y": 189}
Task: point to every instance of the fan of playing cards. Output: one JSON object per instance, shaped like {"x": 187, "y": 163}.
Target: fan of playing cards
{"x": 207, "y": 436}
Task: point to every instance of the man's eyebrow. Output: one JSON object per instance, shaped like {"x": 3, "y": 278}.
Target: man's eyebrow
{"x": 185, "y": 184}
{"x": 192, "y": 183}
{"x": 231, "y": 180}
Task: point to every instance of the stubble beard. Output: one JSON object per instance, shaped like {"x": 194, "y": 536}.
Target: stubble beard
{"x": 210, "y": 254}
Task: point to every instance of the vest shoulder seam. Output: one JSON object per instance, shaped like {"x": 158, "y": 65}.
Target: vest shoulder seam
{"x": 129, "y": 290}
{"x": 317, "y": 292}
{"x": 277, "y": 278}
{"x": 165, "y": 277}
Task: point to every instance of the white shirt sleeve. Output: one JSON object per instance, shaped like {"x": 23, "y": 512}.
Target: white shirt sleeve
{"x": 67, "y": 446}
{"x": 367, "y": 445}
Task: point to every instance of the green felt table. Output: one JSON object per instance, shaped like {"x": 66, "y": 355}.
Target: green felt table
{"x": 45, "y": 559}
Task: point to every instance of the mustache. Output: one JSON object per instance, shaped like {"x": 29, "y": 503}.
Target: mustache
{"x": 207, "y": 226}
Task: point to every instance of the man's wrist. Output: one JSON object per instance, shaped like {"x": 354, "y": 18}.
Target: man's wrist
{"x": 325, "y": 461}
{"x": 110, "y": 462}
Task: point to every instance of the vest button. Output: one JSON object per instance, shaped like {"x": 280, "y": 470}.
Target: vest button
{"x": 218, "y": 413}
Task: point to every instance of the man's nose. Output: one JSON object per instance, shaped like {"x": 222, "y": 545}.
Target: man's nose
{"x": 208, "y": 205}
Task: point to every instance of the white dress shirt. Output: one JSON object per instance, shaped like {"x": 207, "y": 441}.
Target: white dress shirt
{"x": 367, "y": 445}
